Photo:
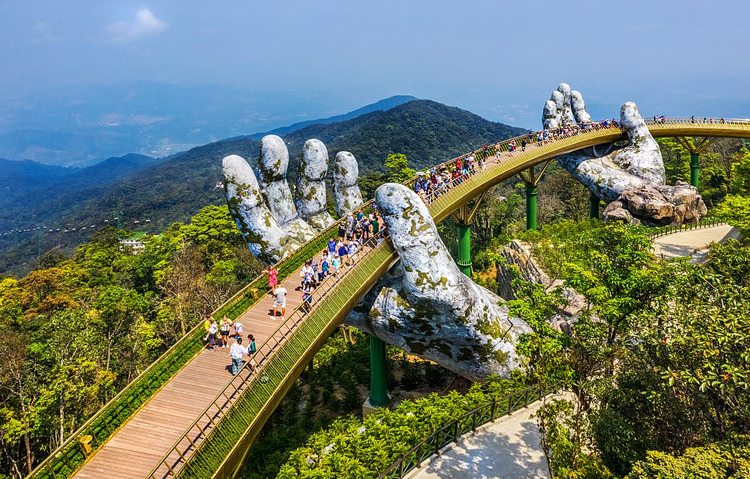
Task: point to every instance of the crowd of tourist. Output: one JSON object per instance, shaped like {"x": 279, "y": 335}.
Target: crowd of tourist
{"x": 360, "y": 230}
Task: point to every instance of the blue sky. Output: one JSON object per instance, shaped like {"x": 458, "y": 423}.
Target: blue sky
{"x": 499, "y": 59}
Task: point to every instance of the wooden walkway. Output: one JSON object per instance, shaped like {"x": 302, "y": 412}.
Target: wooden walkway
{"x": 141, "y": 443}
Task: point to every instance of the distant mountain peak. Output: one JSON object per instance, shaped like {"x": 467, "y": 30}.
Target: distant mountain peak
{"x": 380, "y": 105}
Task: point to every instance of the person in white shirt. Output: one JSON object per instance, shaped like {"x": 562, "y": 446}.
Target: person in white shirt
{"x": 238, "y": 329}
{"x": 279, "y": 301}
{"x": 213, "y": 328}
{"x": 236, "y": 352}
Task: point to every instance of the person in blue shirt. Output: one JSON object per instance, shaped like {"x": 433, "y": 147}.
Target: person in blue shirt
{"x": 331, "y": 246}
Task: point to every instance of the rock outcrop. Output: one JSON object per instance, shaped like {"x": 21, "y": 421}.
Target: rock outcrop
{"x": 630, "y": 178}
{"x": 428, "y": 307}
{"x": 657, "y": 206}
{"x": 519, "y": 261}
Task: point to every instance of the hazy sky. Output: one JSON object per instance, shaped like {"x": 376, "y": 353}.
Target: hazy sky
{"x": 500, "y": 59}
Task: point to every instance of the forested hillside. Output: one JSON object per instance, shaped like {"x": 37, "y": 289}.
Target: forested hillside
{"x": 178, "y": 187}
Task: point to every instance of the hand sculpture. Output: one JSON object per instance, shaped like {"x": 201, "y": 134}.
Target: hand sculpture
{"x": 630, "y": 179}
{"x": 427, "y": 307}
{"x": 270, "y": 222}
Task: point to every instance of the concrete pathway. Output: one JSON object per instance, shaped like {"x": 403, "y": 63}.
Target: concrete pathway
{"x": 509, "y": 448}
{"x": 688, "y": 243}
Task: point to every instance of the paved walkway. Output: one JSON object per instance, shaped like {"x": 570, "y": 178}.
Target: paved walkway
{"x": 686, "y": 243}
{"x": 509, "y": 448}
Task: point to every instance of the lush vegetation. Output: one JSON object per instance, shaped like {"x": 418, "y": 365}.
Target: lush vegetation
{"x": 335, "y": 387}
{"x": 362, "y": 448}
{"x": 178, "y": 187}
{"x": 75, "y": 331}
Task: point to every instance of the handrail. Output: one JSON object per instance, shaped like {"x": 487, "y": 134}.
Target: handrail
{"x": 67, "y": 458}
{"x": 672, "y": 229}
{"x": 181, "y": 452}
{"x": 467, "y": 422}
{"x": 70, "y": 457}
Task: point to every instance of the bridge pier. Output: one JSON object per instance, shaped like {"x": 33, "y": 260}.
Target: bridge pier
{"x": 695, "y": 151}
{"x": 531, "y": 192}
{"x": 463, "y": 217}
{"x": 594, "y": 206}
{"x": 378, "y": 377}
{"x": 464, "y": 248}
{"x": 695, "y": 169}
{"x": 531, "y": 179}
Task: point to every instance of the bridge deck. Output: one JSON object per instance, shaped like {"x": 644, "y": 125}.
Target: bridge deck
{"x": 139, "y": 445}
{"x": 151, "y": 433}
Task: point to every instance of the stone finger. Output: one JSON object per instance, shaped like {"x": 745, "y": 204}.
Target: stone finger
{"x": 266, "y": 239}
{"x": 346, "y": 194}
{"x": 579, "y": 107}
{"x": 272, "y": 165}
{"x": 311, "y": 185}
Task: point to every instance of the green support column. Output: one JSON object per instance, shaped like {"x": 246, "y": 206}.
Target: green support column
{"x": 695, "y": 169}
{"x": 531, "y": 207}
{"x": 378, "y": 373}
{"x": 464, "y": 248}
{"x": 594, "y": 206}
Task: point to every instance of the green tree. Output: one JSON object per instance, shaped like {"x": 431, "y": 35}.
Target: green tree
{"x": 398, "y": 169}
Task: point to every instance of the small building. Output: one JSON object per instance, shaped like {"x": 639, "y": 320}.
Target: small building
{"x": 134, "y": 242}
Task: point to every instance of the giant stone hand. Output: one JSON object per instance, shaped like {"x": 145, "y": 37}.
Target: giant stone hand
{"x": 427, "y": 307}
{"x": 270, "y": 222}
{"x": 631, "y": 179}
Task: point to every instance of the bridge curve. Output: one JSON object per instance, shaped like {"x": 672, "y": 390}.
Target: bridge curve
{"x": 221, "y": 435}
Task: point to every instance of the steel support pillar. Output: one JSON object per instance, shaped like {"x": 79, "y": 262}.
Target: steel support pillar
{"x": 695, "y": 169}
{"x": 531, "y": 192}
{"x": 378, "y": 373}
{"x": 594, "y": 206}
{"x": 464, "y": 248}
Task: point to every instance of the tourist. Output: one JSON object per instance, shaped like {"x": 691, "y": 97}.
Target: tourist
{"x": 238, "y": 329}
{"x": 307, "y": 291}
{"x": 251, "y": 344}
{"x": 279, "y": 301}
{"x": 342, "y": 250}
{"x": 523, "y": 144}
{"x": 335, "y": 264}
{"x": 236, "y": 352}
{"x": 272, "y": 277}
{"x": 324, "y": 268}
{"x": 332, "y": 246}
{"x": 225, "y": 328}
{"x": 306, "y": 271}
{"x": 213, "y": 328}
{"x": 352, "y": 252}
{"x": 342, "y": 230}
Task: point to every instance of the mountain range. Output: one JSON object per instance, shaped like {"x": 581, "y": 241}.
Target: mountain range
{"x": 175, "y": 188}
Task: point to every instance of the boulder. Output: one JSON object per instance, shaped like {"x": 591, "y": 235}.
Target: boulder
{"x": 519, "y": 261}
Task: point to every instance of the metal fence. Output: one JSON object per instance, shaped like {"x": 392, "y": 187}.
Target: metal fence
{"x": 671, "y": 229}
{"x": 460, "y": 426}
{"x": 67, "y": 458}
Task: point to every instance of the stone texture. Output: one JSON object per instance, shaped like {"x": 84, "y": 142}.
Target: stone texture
{"x": 657, "y": 206}
{"x": 266, "y": 239}
{"x": 428, "y": 307}
{"x": 260, "y": 200}
{"x": 346, "y": 193}
{"x": 637, "y": 168}
{"x": 520, "y": 262}
{"x": 272, "y": 168}
{"x": 311, "y": 185}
